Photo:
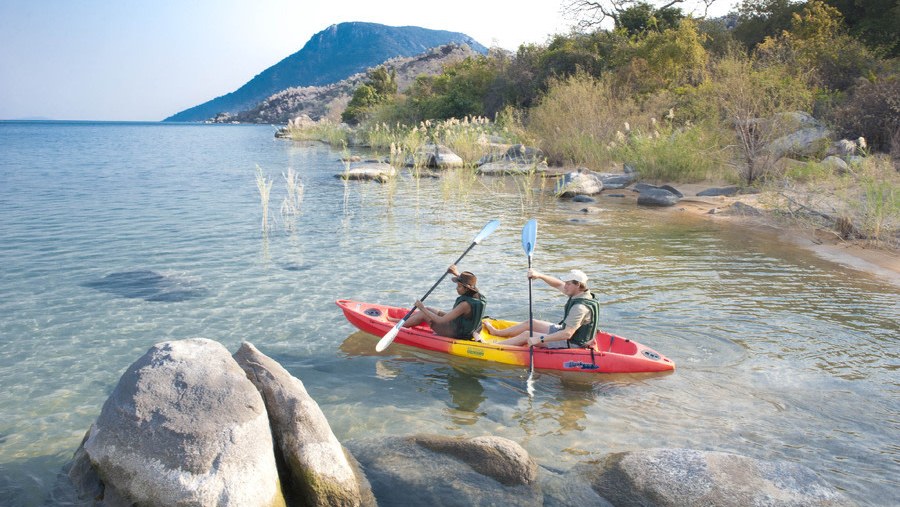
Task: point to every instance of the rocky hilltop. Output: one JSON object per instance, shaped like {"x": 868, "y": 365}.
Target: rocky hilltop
{"x": 328, "y": 101}
{"x": 331, "y": 55}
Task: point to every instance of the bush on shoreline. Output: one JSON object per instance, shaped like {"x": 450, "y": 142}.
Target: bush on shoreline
{"x": 681, "y": 101}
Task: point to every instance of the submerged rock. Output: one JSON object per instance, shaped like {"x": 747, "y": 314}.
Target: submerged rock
{"x": 437, "y": 470}
{"x": 149, "y": 286}
{"x": 369, "y": 171}
{"x": 689, "y": 477}
{"x": 183, "y": 426}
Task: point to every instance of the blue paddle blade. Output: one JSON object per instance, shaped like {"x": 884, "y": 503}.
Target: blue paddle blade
{"x": 486, "y": 231}
{"x": 529, "y": 236}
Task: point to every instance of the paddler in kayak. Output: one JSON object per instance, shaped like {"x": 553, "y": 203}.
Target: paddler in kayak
{"x": 464, "y": 319}
{"x": 576, "y": 329}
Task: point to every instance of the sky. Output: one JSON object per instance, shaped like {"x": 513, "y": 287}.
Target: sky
{"x": 147, "y": 60}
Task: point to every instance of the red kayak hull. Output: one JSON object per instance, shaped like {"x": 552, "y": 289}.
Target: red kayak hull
{"x": 609, "y": 354}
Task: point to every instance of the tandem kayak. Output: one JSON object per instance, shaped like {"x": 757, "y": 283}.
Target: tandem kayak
{"x": 608, "y": 354}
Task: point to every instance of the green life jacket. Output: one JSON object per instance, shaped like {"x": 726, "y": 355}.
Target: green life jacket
{"x": 585, "y": 332}
{"x": 463, "y": 325}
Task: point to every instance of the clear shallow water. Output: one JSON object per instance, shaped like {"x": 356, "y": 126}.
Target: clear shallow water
{"x": 114, "y": 237}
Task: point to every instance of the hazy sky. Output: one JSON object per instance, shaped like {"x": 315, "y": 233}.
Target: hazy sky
{"x": 146, "y": 60}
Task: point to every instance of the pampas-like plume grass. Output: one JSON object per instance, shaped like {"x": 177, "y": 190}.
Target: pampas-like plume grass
{"x": 264, "y": 184}
{"x": 290, "y": 207}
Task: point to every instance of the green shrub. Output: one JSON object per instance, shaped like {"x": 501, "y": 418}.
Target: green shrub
{"x": 807, "y": 172}
{"x": 662, "y": 152}
{"x": 324, "y": 131}
{"x": 577, "y": 118}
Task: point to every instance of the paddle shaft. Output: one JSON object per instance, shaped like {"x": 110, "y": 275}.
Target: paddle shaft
{"x": 441, "y": 279}
{"x": 530, "y": 323}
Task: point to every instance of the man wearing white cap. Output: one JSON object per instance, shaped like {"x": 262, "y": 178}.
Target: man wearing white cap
{"x": 577, "y": 327}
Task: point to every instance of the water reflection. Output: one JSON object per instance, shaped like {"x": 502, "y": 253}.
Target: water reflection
{"x": 477, "y": 390}
{"x": 466, "y": 395}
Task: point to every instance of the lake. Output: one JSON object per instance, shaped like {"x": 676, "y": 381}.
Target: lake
{"x": 117, "y": 236}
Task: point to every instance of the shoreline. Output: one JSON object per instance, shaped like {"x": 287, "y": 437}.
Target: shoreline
{"x": 880, "y": 262}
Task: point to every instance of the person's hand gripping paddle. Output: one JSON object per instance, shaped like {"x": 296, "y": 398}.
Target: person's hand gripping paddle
{"x": 529, "y": 235}
{"x": 389, "y": 337}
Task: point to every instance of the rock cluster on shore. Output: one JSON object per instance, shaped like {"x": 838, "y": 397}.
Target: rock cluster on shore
{"x": 189, "y": 424}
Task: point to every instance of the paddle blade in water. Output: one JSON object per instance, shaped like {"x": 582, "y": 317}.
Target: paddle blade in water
{"x": 486, "y": 231}
{"x": 389, "y": 337}
{"x": 529, "y": 236}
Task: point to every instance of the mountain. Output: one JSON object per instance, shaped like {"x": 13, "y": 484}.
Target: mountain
{"x": 330, "y": 100}
{"x": 329, "y": 56}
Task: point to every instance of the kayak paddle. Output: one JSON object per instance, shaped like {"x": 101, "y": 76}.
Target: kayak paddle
{"x": 529, "y": 236}
{"x": 389, "y": 337}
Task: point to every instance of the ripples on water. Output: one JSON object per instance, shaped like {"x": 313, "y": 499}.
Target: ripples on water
{"x": 114, "y": 237}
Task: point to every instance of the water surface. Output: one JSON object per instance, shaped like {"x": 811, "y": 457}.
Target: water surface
{"x": 114, "y": 237}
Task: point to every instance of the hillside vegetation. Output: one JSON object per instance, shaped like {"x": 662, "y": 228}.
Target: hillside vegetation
{"x": 684, "y": 100}
{"x": 329, "y": 56}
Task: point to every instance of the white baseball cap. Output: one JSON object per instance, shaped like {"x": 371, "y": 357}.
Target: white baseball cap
{"x": 577, "y": 275}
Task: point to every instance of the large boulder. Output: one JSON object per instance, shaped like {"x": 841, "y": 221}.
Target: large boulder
{"x": 369, "y": 171}
{"x": 321, "y": 474}
{"x": 525, "y": 154}
{"x": 435, "y": 156}
{"x": 671, "y": 477}
{"x": 183, "y": 426}
{"x": 579, "y": 182}
{"x": 806, "y": 142}
{"x": 518, "y": 159}
{"x": 616, "y": 181}
{"x": 438, "y": 470}
{"x": 657, "y": 197}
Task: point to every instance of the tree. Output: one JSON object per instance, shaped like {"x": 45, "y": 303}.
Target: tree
{"x": 641, "y": 17}
{"x": 380, "y": 87}
{"x": 818, "y": 43}
{"x": 457, "y": 92}
{"x": 875, "y": 22}
{"x": 758, "y": 19}
{"x": 675, "y": 56}
{"x": 750, "y": 98}
{"x": 590, "y": 14}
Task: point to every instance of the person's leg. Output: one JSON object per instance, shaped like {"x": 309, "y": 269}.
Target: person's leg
{"x": 539, "y": 327}
{"x": 415, "y": 319}
{"x": 514, "y": 330}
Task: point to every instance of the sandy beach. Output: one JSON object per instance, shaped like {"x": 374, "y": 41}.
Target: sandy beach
{"x": 826, "y": 244}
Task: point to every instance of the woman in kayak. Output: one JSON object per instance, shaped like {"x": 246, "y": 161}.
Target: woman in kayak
{"x": 464, "y": 319}
{"x": 577, "y": 327}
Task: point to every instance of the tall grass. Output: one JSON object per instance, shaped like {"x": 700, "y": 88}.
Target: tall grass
{"x": 877, "y": 209}
{"x": 324, "y": 130}
{"x": 664, "y": 152}
{"x": 264, "y": 184}
{"x": 578, "y": 118}
{"x": 468, "y": 137}
{"x": 290, "y": 206}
